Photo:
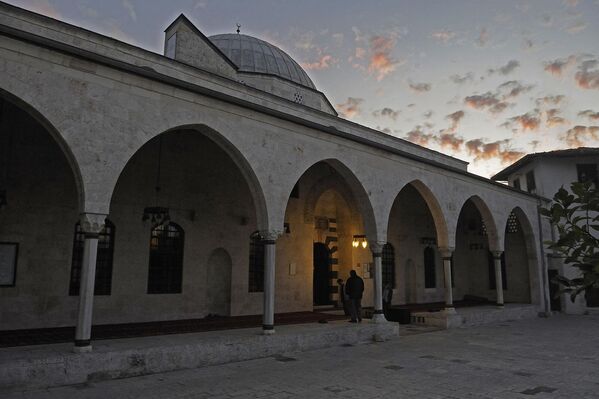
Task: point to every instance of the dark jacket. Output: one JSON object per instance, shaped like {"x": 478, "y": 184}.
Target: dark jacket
{"x": 354, "y": 287}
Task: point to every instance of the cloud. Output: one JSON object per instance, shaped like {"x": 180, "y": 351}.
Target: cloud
{"x": 387, "y": 112}
{"x": 558, "y": 66}
{"x": 482, "y": 101}
{"x": 579, "y": 135}
{"x": 381, "y": 63}
{"x": 324, "y": 62}
{"x": 527, "y": 44}
{"x": 457, "y": 79}
{"x": 529, "y": 121}
{"x": 497, "y": 149}
{"x": 417, "y": 136}
{"x": 130, "y": 9}
{"x": 420, "y": 87}
{"x": 513, "y": 88}
{"x": 587, "y": 76}
{"x": 576, "y": 27}
{"x": 450, "y": 141}
{"x": 338, "y": 38}
{"x": 505, "y": 69}
{"x": 483, "y": 37}
{"x": 360, "y": 52}
{"x": 443, "y": 36}
{"x": 304, "y": 40}
{"x": 552, "y": 100}
{"x": 351, "y": 107}
{"x": 455, "y": 119}
{"x": 592, "y": 115}
{"x": 552, "y": 118}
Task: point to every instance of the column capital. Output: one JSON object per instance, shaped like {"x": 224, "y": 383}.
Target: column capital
{"x": 497, "y": 254}
{"x": 270, "y": 236}
{"x": 376, "y": 247}
{"x": 446, "y": 252}
{"x": 92, "y": 223}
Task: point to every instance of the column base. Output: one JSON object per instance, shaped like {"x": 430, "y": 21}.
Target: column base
{"x": 500, "y": 305}
{"x": 449, "y": 309}
{"x": 82, "y": 349}
{"x": 378, "y": 317}
{"x": 268, "y": 329}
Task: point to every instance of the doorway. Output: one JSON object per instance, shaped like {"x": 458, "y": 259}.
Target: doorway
{"x": 322, "y": 272}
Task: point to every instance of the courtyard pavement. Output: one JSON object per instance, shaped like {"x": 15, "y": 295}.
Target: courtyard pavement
{"x": 556, "y": 357}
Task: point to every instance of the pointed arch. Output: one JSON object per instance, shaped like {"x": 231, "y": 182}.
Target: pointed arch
{"x": 58, "y": 139}
{"x": 530, "y": 245}
{"x": 434, "y": 208}
{"x": 488, "y": 220}
{"x": 234, "y": 154}
{"x": 353, "y": 187}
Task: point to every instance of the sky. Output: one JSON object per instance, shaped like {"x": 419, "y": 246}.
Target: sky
{"x": 484, "y": 81}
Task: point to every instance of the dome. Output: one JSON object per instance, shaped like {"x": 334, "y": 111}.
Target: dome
{"x": 257, "y": 56}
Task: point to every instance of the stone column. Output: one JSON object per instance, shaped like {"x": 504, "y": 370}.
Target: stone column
{"x": 498, "y": 277}
{"x": 446, "y": 256}
{"x": 269, "y": 239}
{"x": 91, "y": 225}
{"x": 377, "y": 253}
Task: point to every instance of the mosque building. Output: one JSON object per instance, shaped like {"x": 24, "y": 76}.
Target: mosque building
{"x": 217, "y": 179}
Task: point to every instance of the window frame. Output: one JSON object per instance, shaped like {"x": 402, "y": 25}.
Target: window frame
{"x": 256, "y": 263}
{"x": 430, "y": 270}
{"x": 388, "y": 265}
{"x": 104, "y": 260}
{"x": 173, "y": 270}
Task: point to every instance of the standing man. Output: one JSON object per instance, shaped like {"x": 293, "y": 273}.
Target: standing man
{"x": 354, "y": 288}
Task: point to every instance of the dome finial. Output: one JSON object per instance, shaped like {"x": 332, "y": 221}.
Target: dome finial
{"x": 238, "y": 28}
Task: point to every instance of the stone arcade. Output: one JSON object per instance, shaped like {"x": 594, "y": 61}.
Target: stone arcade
{"x": 253, "y": 190}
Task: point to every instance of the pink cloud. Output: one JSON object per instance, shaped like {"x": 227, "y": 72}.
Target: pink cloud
{"x": 496, "y": 149}
{"x": 381, "y": 63}
{"x": 324, "y": 62}
{"x": 558, "y": 66}
{"x": 351, "y": 107}
{"x": 579, "y": 136}
{"x": 587, "y": 76}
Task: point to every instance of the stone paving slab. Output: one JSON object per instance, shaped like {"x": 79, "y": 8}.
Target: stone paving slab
{"x": 540, "y": 358}
{"x": 54, "y": 365}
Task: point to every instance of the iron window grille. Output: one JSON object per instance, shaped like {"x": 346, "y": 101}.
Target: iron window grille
{"x": 165, "y": 273}
{"x": 388, "y": 265}
{"x": 256, "y": 264}
{"x": 104, "y": 258}
{"x": 430, "y": 268}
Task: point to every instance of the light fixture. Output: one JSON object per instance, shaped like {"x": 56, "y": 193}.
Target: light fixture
{"x": 158, "y": 215}
{"x": 359, "y": 240}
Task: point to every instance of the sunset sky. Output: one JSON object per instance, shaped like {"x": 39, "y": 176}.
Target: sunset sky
{"x": 485, "y": 81}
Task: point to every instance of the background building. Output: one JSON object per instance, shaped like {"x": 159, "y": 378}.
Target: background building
{"x": 544, "y": 174}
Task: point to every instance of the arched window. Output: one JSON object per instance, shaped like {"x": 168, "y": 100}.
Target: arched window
{"x": 492, "y": 271}
{"x": 388, "y": 261}
{"x": 430, "y": 268}
{"x": 165, "y": 273}
{"x": 103, "y": 283}
{"x": 256, "y": 266}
